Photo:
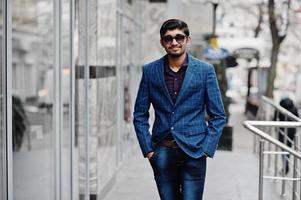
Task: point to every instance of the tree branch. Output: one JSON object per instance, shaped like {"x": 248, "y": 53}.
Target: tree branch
{"x": 260, "y": 20}
{"x": 272, "y": 19}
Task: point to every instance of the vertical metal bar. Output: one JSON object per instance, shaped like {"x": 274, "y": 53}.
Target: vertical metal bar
{"x": 276, "y": 148}
{"x": 7, "y": 99}
{"x": 272, "y": 157}
{"x": 298, "y": 166}
{"x": 295, "y": 168}
{"x": 283, "y": 182}
{"x": 284, "y": 162}
{"x": 3, "y": 105}
{"x": 3, "y": 149}
{"x": 269, "y": 149}
{"x": 61, "y": 111}
{"x": 254, "y": 143}
{"x": 276, "y": 162}
{"x": 57, "y": 81}
{"x": 72, "y": 100}
{"x": 255, "y": 138}
{"x": 299, "y": 149}
{"x": 87, "y": 102}
{"x": 285, "y": 141}
{"x": 261, "y": 163}
{"x": 7, "y": 61}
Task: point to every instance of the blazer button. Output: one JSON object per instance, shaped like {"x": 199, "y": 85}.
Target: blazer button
{"x": 172, "y": 128}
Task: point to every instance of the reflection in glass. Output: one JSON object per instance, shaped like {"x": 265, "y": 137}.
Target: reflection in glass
{"x": 33, "y": 136}
{"x": 79, "y": 47}
{"x": 102, "y": 99}
{"x": 104, "y": 118}
{"x": 128, "y": 65}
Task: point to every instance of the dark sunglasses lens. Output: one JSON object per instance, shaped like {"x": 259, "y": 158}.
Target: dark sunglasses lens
{"x": 167, "y": 39}
{"x": 180, "y": 38}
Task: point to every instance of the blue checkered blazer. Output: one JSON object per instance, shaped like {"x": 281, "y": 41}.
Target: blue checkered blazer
{"x": 184, "y": 119}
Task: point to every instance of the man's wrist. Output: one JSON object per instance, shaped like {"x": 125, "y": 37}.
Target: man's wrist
{"x": 150, "y": 155}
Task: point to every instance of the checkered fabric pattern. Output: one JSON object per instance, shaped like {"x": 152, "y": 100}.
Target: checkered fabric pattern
{"x": 184, "y": 119}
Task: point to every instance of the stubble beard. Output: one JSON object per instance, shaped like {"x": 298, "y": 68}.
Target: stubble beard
{"x": 175, "y": 55}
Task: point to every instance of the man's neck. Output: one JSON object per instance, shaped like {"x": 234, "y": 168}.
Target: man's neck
{"x": 175, "y": 63}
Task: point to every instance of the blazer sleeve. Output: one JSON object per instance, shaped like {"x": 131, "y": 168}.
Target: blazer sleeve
{"x": 215, "y": 110}
{"x": 141, "y": 115}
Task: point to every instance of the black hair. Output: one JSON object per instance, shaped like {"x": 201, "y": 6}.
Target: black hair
{"x": 173, "y": 24}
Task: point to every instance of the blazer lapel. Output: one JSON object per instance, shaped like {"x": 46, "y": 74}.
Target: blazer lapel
{"x": 187, "y": 79}
{"x": 160, "y": 74}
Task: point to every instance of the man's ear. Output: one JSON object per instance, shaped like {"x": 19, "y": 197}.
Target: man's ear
{"x": 161, "y": 42}
{"x": 189, "y": 40}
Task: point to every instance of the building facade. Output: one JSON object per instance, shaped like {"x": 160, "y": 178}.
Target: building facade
{"x": 69, "y": 75}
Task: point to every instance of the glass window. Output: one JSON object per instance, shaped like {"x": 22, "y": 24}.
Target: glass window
{"x": 32, "y": 105}
{"x": 104, "y": 99}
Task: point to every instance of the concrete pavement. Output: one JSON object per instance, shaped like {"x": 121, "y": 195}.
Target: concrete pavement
{"x": 231, "y": 175}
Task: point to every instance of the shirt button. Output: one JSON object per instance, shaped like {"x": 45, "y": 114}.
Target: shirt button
{"x": 172, "y": 128}
{"x": 172, "y": 112}
{"x": 176, "y": 93}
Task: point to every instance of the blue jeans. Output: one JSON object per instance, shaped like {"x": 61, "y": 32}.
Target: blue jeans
{"x": 178, "y": 176}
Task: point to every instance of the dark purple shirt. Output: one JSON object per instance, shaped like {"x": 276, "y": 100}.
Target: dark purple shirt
{"x": 174, "y": 80}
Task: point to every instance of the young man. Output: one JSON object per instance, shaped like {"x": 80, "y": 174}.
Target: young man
{"x": 181, "y": 89}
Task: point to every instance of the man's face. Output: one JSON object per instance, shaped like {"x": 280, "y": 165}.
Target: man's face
{"x": 175, "y": 42}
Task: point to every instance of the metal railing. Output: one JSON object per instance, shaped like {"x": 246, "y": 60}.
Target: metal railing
{"x": 266, "y": 142}
{"x": 264, "y": 112}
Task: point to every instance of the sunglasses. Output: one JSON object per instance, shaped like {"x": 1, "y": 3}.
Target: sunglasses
{"x": 168, "y": 39}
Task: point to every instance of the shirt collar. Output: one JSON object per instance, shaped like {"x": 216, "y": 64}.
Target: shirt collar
{"x": 184, "y": 64}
